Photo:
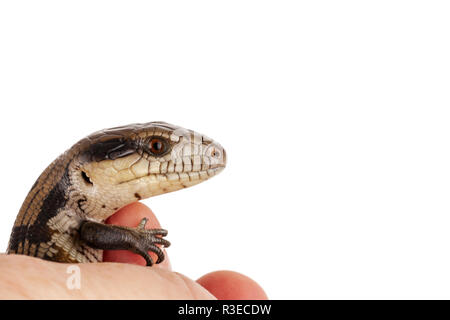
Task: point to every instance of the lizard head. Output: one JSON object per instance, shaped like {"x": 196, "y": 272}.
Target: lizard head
{"x": 117, "y": 166}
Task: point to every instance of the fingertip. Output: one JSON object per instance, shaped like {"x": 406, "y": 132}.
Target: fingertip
{"x": 230, "y": 285}
{"x": 132, "y": 214}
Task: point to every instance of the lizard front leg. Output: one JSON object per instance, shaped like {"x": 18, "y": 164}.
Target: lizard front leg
{"x": 138, "y": 240}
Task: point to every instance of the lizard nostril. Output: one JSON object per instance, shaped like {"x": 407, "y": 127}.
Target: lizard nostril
{"x": 215, "y": 153}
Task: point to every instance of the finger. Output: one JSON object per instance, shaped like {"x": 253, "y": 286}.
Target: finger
{"x": 131, "y": 216}
{"x": 24, "y": 277}
{"x": 230, "y": 285}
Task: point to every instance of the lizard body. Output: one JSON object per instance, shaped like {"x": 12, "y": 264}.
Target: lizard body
{"x": 62, "y": 217}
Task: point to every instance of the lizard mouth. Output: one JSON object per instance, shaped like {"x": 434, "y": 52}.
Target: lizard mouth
{"x": 182, "y": 176}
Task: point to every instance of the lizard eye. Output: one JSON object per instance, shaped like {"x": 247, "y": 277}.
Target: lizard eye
{"x": 157, "y": 146}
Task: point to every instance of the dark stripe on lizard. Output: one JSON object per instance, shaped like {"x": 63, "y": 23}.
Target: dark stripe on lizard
{"x": 39, "y": 231}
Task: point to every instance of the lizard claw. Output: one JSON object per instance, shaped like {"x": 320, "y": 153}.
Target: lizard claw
{"x": 147, "y": 240}
{"x": 142, "y": 224}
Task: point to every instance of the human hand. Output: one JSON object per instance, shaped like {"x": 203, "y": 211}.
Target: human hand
{"x": 23, "y": 277}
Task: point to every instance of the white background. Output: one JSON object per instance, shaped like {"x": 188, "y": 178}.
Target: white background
{"x": 334, "y": 114}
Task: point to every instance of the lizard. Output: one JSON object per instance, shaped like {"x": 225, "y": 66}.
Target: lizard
{"x": 63, "y": 216}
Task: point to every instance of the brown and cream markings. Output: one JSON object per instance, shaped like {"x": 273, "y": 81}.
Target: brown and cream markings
{"x": 62, "y": 217}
